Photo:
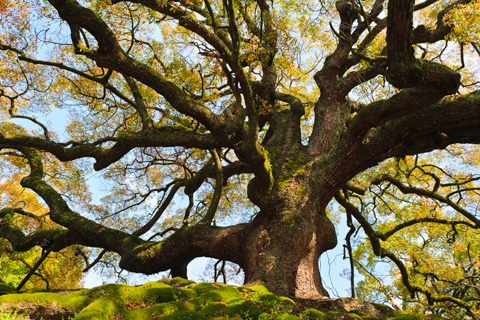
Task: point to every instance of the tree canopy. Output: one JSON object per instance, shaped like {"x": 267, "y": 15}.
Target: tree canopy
{"x": 239, "y": 130}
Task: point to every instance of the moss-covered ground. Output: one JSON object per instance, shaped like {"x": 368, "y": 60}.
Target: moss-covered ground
{"x": 182, "y": 299}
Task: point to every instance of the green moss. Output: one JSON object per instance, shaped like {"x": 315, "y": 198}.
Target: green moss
{"x": 147, "y": 250}
{"x": 264, "y": 316}
{"x": 271, "y": 151}
{"x": 103, "y": 308}
{"x": 295, "y": 164}
{"x": 227, "y": 301}
{"x": 244, "y": 309}
{"x": 270, "y": 298}
{"x": 408, "y": 316}
{"x": 108, "y": 289}
{"x": 77, "y": 300}
{"x": 244, "y": 289}
{"x": 217, "y": 291}
{"x": 314, "y": 313}
{"x": 177, "y": 282}
{"x": 182, "y": 299}
{"x": 214, "y": 309}
{"x": 404, "y": 74}
{"x": 285, "y": 316}
{"x": 334, "y": 314}
{"x": 293, "y": 219}
{"x": 204, "y": 287}
{"x": 151, "y": 292}
{"x": 185, "y": 315}
{"x": 158, "y": 310}
{"x": 260, "y": 288}
{"x": 273, "y": 303}
{"x": 226, "y": 295}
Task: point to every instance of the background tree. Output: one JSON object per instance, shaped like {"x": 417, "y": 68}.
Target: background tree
{"x": 60, "y": 269}
{"x": 262, "y": 111}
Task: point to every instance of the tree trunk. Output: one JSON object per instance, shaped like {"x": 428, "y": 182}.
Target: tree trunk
{"x": 283, "y": 252}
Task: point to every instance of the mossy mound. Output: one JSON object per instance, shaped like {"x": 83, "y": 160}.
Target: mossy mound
{"x": 182, "y": 299}
{"x": 6, "y": 289}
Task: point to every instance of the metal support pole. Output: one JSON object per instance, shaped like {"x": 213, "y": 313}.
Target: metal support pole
{"x": 45, "y": 253}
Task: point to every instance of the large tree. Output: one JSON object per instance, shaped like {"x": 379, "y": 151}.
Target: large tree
{"x": 193, "y": 98}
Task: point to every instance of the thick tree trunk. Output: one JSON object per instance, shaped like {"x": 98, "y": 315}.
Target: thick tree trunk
{"x": 283, "y": 253}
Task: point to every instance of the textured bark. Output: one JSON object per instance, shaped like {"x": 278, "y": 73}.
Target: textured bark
{"x": 284, "y": 254}
{"x": 403, "y": 72}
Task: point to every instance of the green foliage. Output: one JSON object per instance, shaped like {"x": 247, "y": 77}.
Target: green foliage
{"x": 465, "y": 21}
{"x": 59, "y": 270}
{"x": 440, "y": 256}
{"x": 12, "y": 315}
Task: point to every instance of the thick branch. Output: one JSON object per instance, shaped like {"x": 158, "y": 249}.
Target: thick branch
{"x": 159, "y": 212}
{"x": 422, "y": 34}
{"x": 384, "y": 236}
{"x": 284, "y": 131}
{"x": 451, "y": 120}
{"x": 140, "y": 105}
{"x": 402, "y": 71}
{"x": 161, "y": 137}
{"x": 186, "y": 20}
{"x": 327, "y": 77}
{"x": 329, "y": 108}
{"x": 92, "y": 234}
{"x": 111, "y": 55}
{"x": 217, "y": 194}
{"x": 80, "y": 17}
{"x": 437, "y": 82}
{"x": 20, "y": 242}
{"x": 209, "y": 171}
{"x": 137, "y": 255}
{"x": 406, "y": 189}
{"x": 224, "y": 243}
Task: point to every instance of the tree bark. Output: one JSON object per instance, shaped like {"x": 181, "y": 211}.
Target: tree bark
{"x": 284, "y": 253}
{"x": 288, "y": 237}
